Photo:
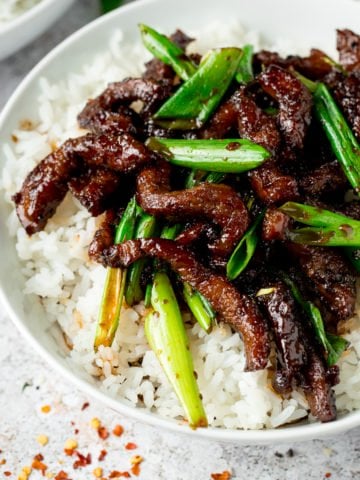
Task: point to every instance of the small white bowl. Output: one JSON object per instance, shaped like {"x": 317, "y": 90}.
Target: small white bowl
{"x": 26, "y": 27}
{"x": 309, "y": 22}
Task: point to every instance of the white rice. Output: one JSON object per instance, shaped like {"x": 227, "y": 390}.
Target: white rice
{"x": 56, "y": 267}
{"x": 10, "y": 9}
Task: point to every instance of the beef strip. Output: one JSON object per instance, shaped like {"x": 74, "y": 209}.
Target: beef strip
{"x": 46, "y": 185}
{"x": 348, "y": 46}
{"x": 120, "y": 94}
{"x": 331, "y": 276}
{"x": 275, "y": 225}
{"x": 326, "y": 179}
{"x": 95, "y": 189}
{"x": 282, "y": 312}
{"x": 294, "y": 101}
{"x": 234, "y": 308}
{"x": 218, "y": 203}
{"x": 314, "y": 66}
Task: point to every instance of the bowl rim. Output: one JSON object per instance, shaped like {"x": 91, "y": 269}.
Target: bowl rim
{"x": 28, "y": 16}
{"x": 301, "y": 432}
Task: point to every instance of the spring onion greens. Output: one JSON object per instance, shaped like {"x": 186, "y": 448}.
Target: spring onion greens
{"x": 245, "y": 72}
{"x": 115, "y": 282}
{"x": 167, "y": 51}
{"x": 197, "y": 98}
{"x": 108, "y": 5}
{"x": 166, "y": 334}
{"x": 333, "y": 344}
{"x": 326, "y": 228}
{"x": 224, "y": 156}
{"x": 244, "y": 250}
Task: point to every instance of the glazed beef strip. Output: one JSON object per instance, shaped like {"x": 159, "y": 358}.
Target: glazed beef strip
{"x": 234, "y": 308}
{"x": 327, "y": 179}
{"x": 282, "y": 313}
{"x": 294, "y": 101}
{"x": 330, "y": 274}
{"x": 120, "y": 94}
{"x": 46, "y": 185}
{"x": 348, "y": 46}
{"x": 95, "y": 189}
{"x": 218, "y": 203}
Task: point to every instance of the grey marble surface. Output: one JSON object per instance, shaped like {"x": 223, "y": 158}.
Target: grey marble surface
{"x": 27, "y": 384}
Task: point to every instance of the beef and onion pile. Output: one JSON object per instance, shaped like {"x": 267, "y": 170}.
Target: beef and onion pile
{"x": 232, "y": 180}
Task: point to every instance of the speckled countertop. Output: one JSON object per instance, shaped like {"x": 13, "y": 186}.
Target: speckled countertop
{"x": 27, "y": 385}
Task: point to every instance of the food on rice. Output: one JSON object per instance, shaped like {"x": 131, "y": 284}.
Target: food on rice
{"x": 273, "y": 112}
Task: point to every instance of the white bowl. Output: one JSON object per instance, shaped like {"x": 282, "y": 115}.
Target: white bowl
{"x": 310, "y": 21}
{"x": 26, "y": 27}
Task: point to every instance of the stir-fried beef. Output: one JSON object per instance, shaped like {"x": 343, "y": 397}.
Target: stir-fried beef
{"x": 46, "y": 186}
{"x": 235, "y": 308}
{"x": 274, "y": 110}
{"x": 330, "y": 275}
{"x": 218, "y": 203}
{"x": 95, "y": 189}
{"x": 294, "y": 103}
{"x": 283, "y": 315}
{"x": 348, "y": 45}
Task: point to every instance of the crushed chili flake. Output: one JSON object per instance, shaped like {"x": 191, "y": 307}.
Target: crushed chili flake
{"x": 136, "y": 459}
{"x": 46, "y": 408}
{"x": 82, "y": 460}
{"x": 37, "y": 464}
{"x": 131, "y": 446}
{"x": 62, "y": 476}
{"x": 14, "y": 138}
{"x": 327, "y": 475}
{"x": 2, "y": 461}
{"x": 69, "y": 451}
{"x": 76, "y": 431}
{"x": 102, "y": 455}
{"x": 103, "y": 433}
{"x": 226, "y": 475}
{"x": 117, "y": 474}
{"x": 118, "y": 430}
{"x": 135, "y": 469}
{"x": 70, "y": 445}
{"x": 85, "y": 405}
{"x": 7, "y": 473}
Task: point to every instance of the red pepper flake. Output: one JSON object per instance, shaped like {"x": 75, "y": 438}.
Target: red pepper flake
{"x": 82, "y": 460}
{"x": 62, "y": 476}
{"x": 69, "y": 451}
{"x": 226, "y": 475}
{"x": 38, "y": 464}
{"x": 118, "y": 430}
{"x": 103, "y": 433}
{"x": 327, "y": 475}
{"x": 135, "y": 469}
{"x": 7, "y": 473}
{"x": 131, "y": 446}
{"x": 85, "y": 405}
{"x": 102, "y": 455}
{"x": 117, "y": 474}
{"x": 76, "y": 431}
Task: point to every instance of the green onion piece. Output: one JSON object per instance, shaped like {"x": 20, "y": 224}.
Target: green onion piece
{"x": 245, "y": 72}
{"x": 167, "y": 51}
{"x": 195, "y": 100}
{"x": 215, "y": 177}
{"x": 147, "y": 299}
{"x": 309, "y": 84}
{"x": 166, "y": 334}
{"x": 199, "y": 307}
{"x": 333, "y": 344}
{"x": 244, "y": 250}
{"x": 108, "y": 5}
{"x": 340, "y": 135}
{"x": 225, "y": 156}
{"x": 146, "y": 228}
{"x": 331, "y": 229}
{"x": 113, "y": 293}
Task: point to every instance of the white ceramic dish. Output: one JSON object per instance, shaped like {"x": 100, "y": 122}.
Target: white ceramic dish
{"x": 311, "y": 22}
{"x": 32, "y": 23}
